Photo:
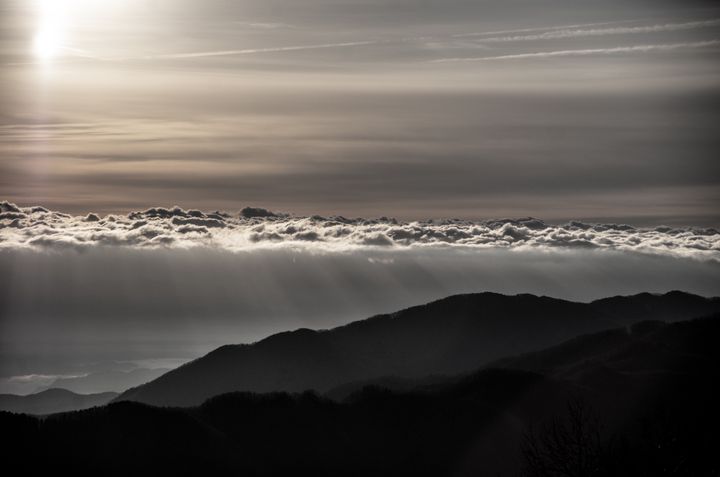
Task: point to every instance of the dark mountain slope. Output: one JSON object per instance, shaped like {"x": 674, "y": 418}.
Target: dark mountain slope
{"x": 645, "y": 348}
{"x": 52, "y": 401}
{"x": 657, "y": 411}
{"x": 377, "y": 432}
{"x": 448, "y": 336}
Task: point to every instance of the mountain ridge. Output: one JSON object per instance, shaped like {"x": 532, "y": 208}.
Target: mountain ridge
{"x": 473, "y": 424}
{"x": 53, "y": 400}
{"x": 448, "y": 336}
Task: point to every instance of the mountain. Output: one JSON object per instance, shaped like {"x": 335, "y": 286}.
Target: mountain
{"x": 449, "y": 336}
{"x": 642, "y": 401}
{"x": 634, "y": 353}
{"x": 642, "y": 349}
{"x": 108, "y": 380}
{"x": 52, "y": 401}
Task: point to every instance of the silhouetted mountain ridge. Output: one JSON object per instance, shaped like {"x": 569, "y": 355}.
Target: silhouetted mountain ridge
{"x": 53, "y": 401}
{"x": 644, "y": 348}
{"x": 656, "y": 409}
{"x": 449, "y": 336}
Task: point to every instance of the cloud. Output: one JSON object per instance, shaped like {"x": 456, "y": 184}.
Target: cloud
{"x": 253, "y": 51}
{"x": 37, "y": 228}
{"x": 577, "y": 33}
{"x": 105, "y": 381}
{"x": 95, "y": 377}
{"x": 256, "y": 212}
{"x": 31, "y": 383}
{"x": 590, "y": 51}
{"x": 200, "y": 54}
{"x": 526, "y": 30}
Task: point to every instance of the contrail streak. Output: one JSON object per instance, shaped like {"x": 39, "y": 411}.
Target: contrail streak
{"x": 568, "y": 33}
{"x": 527, "y": 30}
{"x": 588, "y": 52}
{"x": 252, "y": 51}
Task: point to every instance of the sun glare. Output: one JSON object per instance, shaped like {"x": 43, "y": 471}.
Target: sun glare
{"x": 63, "y": 27}
{"x": 47, "y": 43}
{"x": 51, "y": 29}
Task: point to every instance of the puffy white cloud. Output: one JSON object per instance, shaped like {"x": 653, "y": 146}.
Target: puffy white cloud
{"x": 40, "y": 228}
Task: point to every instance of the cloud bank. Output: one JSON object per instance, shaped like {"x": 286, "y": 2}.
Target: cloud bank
{"x": 81, "y": 291}
{"x": 37, "y": 228}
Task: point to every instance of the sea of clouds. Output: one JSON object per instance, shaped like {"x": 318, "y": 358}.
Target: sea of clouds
{"x": 80, "y": 293}
{"x": 42, "y": 229}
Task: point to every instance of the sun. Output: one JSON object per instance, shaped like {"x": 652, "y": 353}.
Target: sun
{"x": 63, "y": 27}
{"x": 48, "y": 43}
{"x": 51, "y": 29}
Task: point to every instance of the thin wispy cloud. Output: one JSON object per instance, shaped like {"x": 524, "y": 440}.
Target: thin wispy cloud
{"x": 590, "y": 51}
{"x": 253, "y": 51}
{"x": 264, "y": 25}
{"x": 76, "y": 54}
{"x": 575, "y": 33}
{"x": 527, "y": 30}
{"x": 551, "y": 32}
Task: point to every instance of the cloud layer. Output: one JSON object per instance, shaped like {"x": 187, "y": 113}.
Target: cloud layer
{"x": 38, "y": 228}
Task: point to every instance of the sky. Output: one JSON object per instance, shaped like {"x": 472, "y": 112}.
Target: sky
{"x": 559, "y": 109}
{"x": 133, "y": 133}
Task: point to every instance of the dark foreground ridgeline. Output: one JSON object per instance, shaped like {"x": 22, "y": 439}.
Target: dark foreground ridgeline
{"x": 454, "y": 335}
{"x": 632, "y": 401}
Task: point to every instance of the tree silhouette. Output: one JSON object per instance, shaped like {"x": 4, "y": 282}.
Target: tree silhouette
{"x": 567, "y": 447}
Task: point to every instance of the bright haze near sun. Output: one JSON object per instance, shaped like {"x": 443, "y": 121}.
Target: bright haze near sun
{"x": 574, "y": 113}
